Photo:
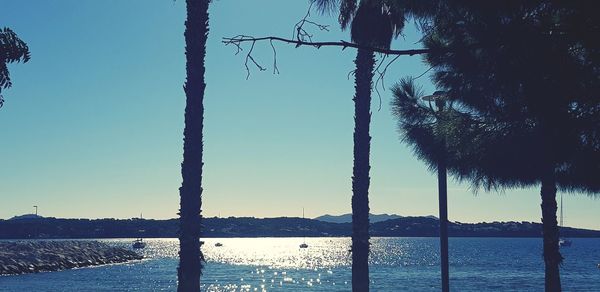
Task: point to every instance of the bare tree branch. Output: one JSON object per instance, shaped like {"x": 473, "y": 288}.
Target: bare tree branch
{"x": 238, "y": 40}
{"x": 301, "y": 37}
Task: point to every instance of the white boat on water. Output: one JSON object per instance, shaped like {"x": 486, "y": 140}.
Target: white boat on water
{"x": 139, "y": 243}
{"x": 562, "y": 242}
{"x": 303, "y": 244}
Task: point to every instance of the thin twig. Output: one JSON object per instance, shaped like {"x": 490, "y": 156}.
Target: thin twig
{"x": 377, "y": 80}
{"x": 423, "y": 73}
{"x": 300, "y": 33}
{"x": 249, "y": 57}
{"x": 275, "y": 68}
{"x": 351, "y": 73}
{"x": 381, "y": 76}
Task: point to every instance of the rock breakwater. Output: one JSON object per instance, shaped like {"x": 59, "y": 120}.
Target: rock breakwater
{"x": 20, "y": 257}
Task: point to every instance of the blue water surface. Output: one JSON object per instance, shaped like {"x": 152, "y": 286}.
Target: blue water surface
{"x": 278, "y": 264}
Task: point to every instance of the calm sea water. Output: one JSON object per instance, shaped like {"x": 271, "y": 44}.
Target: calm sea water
{"x": 277, "y": 264}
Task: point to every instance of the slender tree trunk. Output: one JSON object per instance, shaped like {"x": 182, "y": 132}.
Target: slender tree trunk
{"x": 552, "y": 257}
{"x": 365, "y": 61}
{"x": 443, "y": 207}
{"x": 190, "y": 256}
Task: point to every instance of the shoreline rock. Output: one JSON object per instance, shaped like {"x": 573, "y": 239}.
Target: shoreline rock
{"x": 22, "y": 257}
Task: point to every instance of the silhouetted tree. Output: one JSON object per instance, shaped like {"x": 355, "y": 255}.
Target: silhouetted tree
{"x": 190, "y": 255}
{"x": 12, "y": 49}
{"x": 372, "y": 24}
{"x": 523, "y": 77}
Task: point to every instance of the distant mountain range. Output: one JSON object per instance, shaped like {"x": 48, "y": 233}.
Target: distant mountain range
{"x": 347, "y": 218}
{"x": 39, "y": 227}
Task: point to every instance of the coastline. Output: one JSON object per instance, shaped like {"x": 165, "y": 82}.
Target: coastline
{"x": 57, "y": 228}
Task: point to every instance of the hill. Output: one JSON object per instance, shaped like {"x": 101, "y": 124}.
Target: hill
{"x": 347, "y": 218}
{"x": 26, "y": 217}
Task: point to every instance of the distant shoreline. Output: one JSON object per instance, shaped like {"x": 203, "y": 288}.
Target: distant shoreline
{"x": 54, "y": 228}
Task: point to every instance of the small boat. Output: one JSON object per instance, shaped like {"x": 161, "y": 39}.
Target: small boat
{"x": 562, "y": 242}
{"x": 139, "y": 243}
{"x": 303, "y": 244}
{"x": 218, "y": 244}
{"x": 598, "y": 266}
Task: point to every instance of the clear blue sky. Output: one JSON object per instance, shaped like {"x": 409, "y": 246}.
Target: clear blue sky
{"x": 93, "y": 124}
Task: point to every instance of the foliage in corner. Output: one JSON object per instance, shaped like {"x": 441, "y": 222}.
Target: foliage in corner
{"x": 12, "y": 50}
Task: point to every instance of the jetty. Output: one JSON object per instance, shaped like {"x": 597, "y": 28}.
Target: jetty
{"x": 33, "y": 256}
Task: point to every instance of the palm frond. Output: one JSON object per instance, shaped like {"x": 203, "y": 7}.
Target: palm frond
{"x": 12, "y": 49}
{"x": 326, "y": 6}
{"x": 348, "y": 10}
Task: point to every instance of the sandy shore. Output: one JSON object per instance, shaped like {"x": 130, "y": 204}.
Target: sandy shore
{"x": 20, "y": 257}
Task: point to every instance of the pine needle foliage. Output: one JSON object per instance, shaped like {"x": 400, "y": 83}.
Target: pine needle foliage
{"x": 525, "y": 87}
{"x": 522, "y": 83}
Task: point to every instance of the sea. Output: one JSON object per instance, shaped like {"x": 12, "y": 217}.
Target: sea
{"x": 278, "y": 264}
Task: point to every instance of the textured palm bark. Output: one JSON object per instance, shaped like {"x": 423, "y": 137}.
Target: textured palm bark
{"x": 190, "y": 255}
{"x": 552, "y": 256}
{"x": 365, "y": 61}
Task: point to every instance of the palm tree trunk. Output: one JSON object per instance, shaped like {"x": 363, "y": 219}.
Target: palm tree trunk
{"x": 190, "y": 256}
{"x": 365, "y": 61}
{"x": 552, "y": 257}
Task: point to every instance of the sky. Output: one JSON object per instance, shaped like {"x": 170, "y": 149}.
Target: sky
{"x": 92, "y": 127}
